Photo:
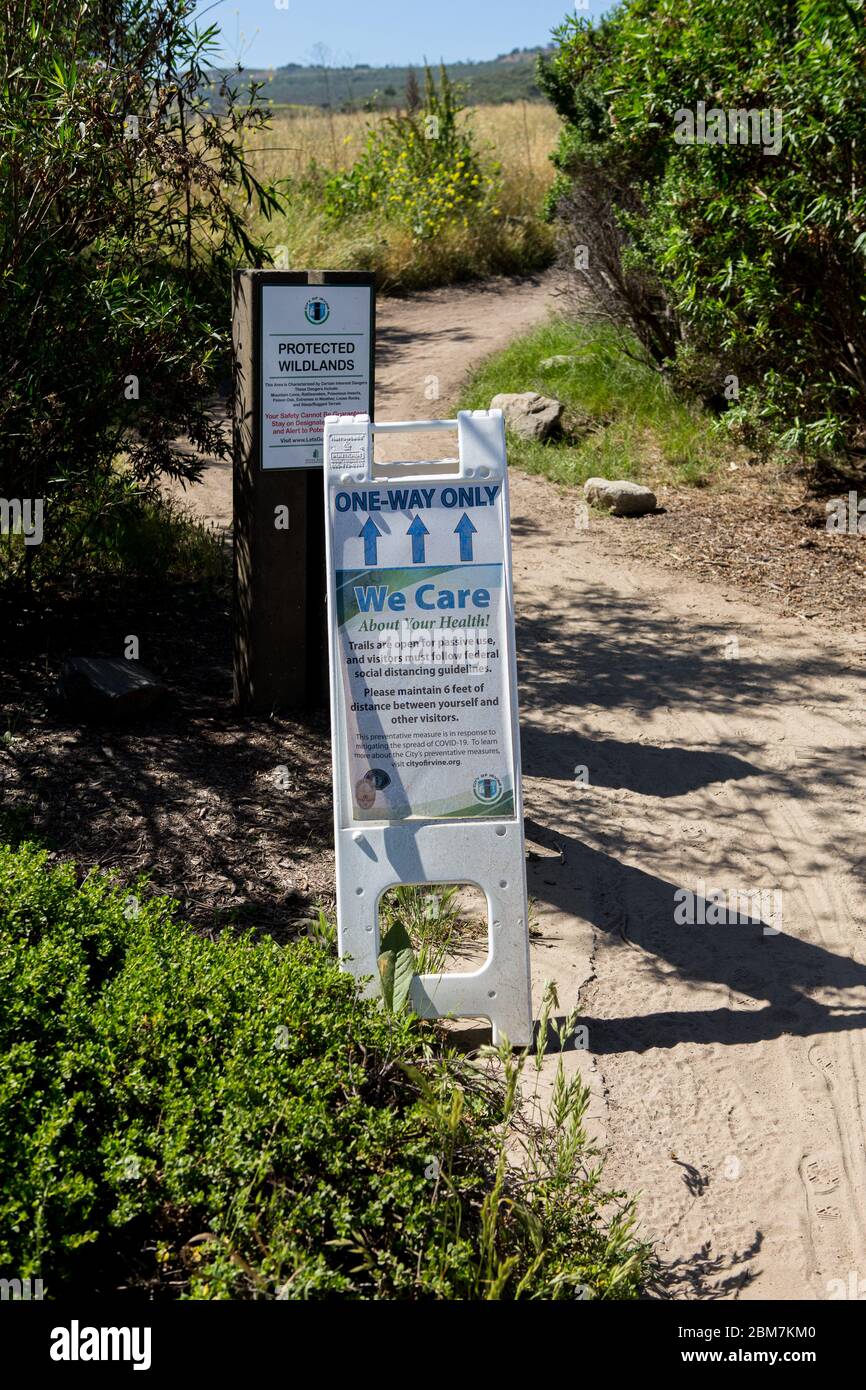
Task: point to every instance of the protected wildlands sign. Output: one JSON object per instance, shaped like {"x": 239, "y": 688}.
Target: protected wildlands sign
{"x": 315, "y": 360}
{"x": 302, "y": 346}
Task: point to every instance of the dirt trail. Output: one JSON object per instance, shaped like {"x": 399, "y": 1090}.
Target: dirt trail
{"x": 430, "y": 341}
{"x": 726, "y": 1061}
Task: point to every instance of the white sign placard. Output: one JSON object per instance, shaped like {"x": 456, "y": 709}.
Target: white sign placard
{"x": 423, "y": 631}
{"x": 421, "y": 613}
{"x": 424, "y": 703}
{"x": 315, "y": 361}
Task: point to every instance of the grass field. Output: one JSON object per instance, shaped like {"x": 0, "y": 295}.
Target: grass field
{"x": 519, "y": 137}
{"x": 622, "y": 420}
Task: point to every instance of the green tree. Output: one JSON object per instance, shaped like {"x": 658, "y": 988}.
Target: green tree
{"x": 413, "y": 92}
{"x": 740, "y": 253}
{"x": 122, "y": 195}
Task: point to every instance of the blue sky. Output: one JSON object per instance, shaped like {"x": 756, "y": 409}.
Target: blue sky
{"x": 382, "y": 31}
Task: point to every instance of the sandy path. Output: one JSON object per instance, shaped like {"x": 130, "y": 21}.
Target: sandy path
{"x": 726, "y": 1061}
{"x": 430, "y": 341}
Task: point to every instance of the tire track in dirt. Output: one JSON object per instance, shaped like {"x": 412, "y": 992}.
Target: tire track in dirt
{"x": 740, "y": 774}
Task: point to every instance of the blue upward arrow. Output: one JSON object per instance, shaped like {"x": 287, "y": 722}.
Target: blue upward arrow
{"x": 465, "y": 530}
{"x": 417, "y": 531}
{"x": 371, "y": 534}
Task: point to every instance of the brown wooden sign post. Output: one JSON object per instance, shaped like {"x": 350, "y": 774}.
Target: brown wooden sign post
{"x": 303, "y": 346}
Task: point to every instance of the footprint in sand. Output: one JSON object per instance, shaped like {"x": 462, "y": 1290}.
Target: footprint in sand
{"x": 822, "y": 1172}
{"x": 822, "y": 1063}
{"x": 829, "y": 1213}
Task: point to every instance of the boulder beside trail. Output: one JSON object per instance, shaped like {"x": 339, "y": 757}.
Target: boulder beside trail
{"x": 108, "y": 685}
{"x": 619, "y": 497}
{"x": 529, "y": 415}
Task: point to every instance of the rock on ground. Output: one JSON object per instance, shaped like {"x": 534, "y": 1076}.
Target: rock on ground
{"x": 100, "y": 685}
{"x": 528, "y": 414}
{"x": 619, "y": 497}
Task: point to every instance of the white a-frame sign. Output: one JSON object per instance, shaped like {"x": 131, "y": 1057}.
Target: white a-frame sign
{"x": 424, "y": 701}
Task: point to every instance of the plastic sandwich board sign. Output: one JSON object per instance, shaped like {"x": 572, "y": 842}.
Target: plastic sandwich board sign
{"x": 423, "y": 700}
{"x": 316, "y": 357}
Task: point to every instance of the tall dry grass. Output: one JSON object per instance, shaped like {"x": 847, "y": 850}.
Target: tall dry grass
{"x": 519, "y": 137}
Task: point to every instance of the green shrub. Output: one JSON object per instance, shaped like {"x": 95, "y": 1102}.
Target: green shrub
{"x": 224, "y": 1118}
{"x": 122, "y": 201}
{"x": 419, "y": 168}
{"x": 730, "y": 258}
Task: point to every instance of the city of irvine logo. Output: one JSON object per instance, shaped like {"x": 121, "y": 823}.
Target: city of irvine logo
{"x": 487, "y": 789}
{"x": 317, "y": 311}
{"x": 77, "y": 1343}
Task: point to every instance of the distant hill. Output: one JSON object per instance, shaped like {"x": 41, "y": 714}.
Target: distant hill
{"x": 510, "y": 77}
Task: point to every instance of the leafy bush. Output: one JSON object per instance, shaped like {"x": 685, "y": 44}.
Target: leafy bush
{"x": 302, "y": 151}
{"x": 119, "y": 530}
{"x": 224, "y": 1118}
{"x": 122, "y": 194}
{"x": 419, "y": 168}
{"x": 729, "y": 259}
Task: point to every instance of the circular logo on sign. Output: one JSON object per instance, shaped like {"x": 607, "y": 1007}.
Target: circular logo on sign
{"x": 487, "y": 788}
{"x": 317, "y": 310}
